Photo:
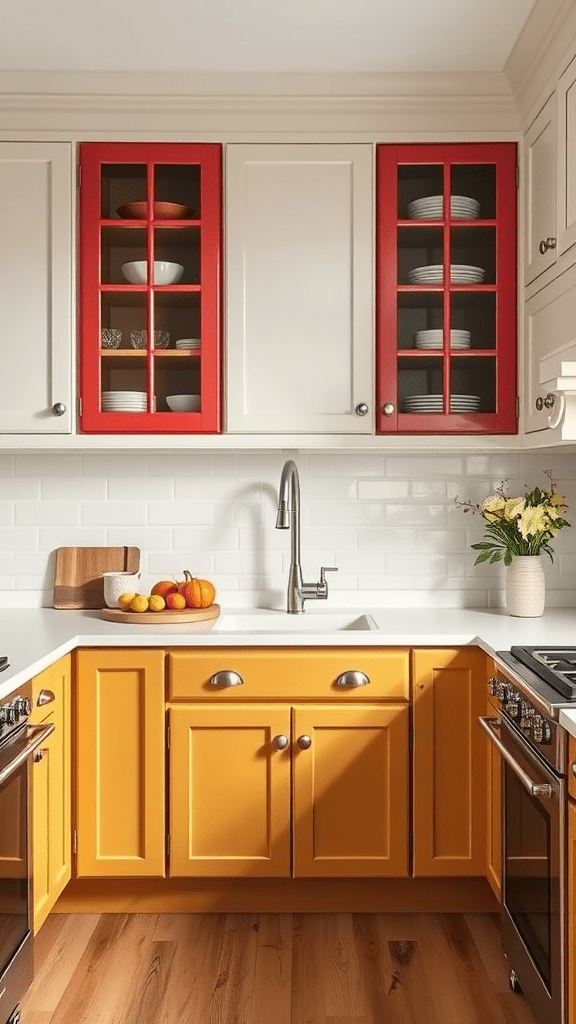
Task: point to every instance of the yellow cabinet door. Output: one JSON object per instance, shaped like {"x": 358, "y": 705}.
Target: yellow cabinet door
{"x": 450, "y": 754}
{"x": 350, "y": 791}
{"x": 51, "y": 800}
{"x": 571, "y": 972}
{"x": 229, "y": 791}
{"x": 120, "y": 816}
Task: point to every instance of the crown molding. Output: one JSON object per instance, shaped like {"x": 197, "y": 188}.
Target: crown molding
{"x": 542, "y": 50}
{"x": 372, "y": 104}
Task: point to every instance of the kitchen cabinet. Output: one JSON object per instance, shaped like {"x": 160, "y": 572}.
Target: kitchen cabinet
{"x": 449, "y": 780}
{"x": 567, "y": 158}
{"x": 230, "y": 790}
{"x": 549, "y": 341}
{"x": 299, "y": 299}
{"x": 540, "y": 232}
{"x": 494, "y": 813}
{"x": 51, "y": 792}
{"x": 36, "y": 287}
{"x": 150, "y": 243}
{"x": 120, "y": 772}
{"x": 446, "y": 340}
{"x": 246, "y": 788}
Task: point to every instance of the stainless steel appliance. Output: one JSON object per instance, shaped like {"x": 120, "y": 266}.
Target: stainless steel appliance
{"x": 530, "y": 686}
{"x": 18, "y": 743}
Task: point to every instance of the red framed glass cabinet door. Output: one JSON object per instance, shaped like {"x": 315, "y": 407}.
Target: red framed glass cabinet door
{"x": 446, "y": 289}
{"x": 150, "y": 282}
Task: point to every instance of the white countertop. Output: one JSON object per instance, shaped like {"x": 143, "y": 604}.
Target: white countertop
{"x": 34, "y": 638}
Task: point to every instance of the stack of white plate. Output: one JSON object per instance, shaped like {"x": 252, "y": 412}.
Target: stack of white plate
{"x": 460, "y": 273}
{"x": 435, "y": 339}
{"x": 434, "y": 403}
{"x": 188, "y": 343}
{"x": 432, "y": 208}
{"x": 124, "y": 401}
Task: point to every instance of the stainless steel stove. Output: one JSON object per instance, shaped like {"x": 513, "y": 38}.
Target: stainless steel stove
{"x": 530, "y": 686}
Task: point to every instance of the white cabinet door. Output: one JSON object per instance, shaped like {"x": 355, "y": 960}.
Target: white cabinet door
{"x": 567, "y": 158}
{"x": 550, "y": 330}
{"x": 300, "y": 270}
{"x": 35, "y": 287}
{"x": 541, "y": 167}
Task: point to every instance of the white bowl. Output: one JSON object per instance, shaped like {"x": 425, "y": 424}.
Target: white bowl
{"x": 183, "y": 403}
{"x": 164, "y": 273}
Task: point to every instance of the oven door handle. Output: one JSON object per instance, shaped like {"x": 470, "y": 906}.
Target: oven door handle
{"x": 39, "y": 733}
{"x": 534, "y": 788}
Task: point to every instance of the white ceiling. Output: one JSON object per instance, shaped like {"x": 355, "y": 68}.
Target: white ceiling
{"x": 261, "y": 35}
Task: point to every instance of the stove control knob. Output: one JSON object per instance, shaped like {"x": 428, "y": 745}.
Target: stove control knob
{"x": 11, "y": 717}
{"x": 3, "y": 718}
{"x": 22, "y": 705}
{"x": 512, "y": 706}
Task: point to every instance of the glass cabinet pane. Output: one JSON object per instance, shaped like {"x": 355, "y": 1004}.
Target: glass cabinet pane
{"x": 120, "y": 186}
{"x": 420, "y": 191}
{"x": 420, "y": 320}
{"x": 476, "y": 182}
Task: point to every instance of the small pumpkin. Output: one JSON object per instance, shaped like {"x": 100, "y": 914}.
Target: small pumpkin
{"x": 198, "y": 593}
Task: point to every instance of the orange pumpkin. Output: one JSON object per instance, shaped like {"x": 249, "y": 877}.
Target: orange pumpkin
{"x": 198, "y": 593}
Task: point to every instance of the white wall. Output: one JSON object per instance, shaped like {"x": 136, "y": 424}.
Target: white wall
{"x": 388, "y": 522}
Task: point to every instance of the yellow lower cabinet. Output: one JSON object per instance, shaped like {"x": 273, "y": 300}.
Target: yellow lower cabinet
{"x": 450, "y": 751}
{"x": 350, "y": 791}
{"x": 230, "y": 791}
{"x": 571, "y": 912}
{"x": 51, "y": 811}
{"x": 120, "y": 771}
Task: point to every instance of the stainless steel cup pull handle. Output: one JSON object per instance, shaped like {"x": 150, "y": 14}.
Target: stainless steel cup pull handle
{"x": 45, "y": 697}
{"x": 280, "y": 742}
{"x": 352, "y": 679}
{"x": 534, "y": 788}
{"x": 304, "y": 742}
{"x": 225, "y": 678}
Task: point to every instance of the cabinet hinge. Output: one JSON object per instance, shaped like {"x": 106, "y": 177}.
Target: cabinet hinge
{"x": 517, "y": 407}
{"x": 78, "y": 176}
{"x": 74, "y": 841}
{"x": 168, "y": 844}
{"x": 79, "y": 406}
{"x": 168, "y": 736}
{"x": 517, "y": 176}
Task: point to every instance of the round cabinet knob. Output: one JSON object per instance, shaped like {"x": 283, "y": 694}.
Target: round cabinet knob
{"x": 549, "y": 401}
{"x": 221, "y": 680}
{"x": 539, "y": 403}
{"x": 388, "y": 409}
{"x": 545, "y": 244}
{"x": 361, "y": 409}
{"x": 304, "y": 742}
{"x": 280, "y": 742}
{"x": 58, "y": 409}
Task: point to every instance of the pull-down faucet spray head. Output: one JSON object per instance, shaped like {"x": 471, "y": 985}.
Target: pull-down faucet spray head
{"x": 282, "y": 517}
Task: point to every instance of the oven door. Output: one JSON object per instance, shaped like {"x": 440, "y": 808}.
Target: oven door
{"x": 15, "y": 876}
{"x": 533, "y": 883}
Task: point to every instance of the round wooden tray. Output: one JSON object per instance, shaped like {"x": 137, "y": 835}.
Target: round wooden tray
{"x": 165, "y": 618}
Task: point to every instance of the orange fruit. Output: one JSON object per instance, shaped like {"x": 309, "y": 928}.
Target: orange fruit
{"x": 176, "y": 602}
{"x": 156, "y": 603}
{"x": 163, "y": 588}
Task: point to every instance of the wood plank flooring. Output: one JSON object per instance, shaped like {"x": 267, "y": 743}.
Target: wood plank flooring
{"x": 272, "y": 969}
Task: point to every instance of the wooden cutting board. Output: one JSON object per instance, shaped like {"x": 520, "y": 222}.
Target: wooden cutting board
{"x": 78, "y": 579}
{"x": 165, "y": 618}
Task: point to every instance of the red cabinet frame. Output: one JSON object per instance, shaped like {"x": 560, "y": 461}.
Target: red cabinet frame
{"x": 502, "y": 419}
{"x": 208, "y": 159}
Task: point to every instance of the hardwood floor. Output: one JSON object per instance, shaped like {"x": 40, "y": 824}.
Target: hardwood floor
{"x": 272, "y": 969}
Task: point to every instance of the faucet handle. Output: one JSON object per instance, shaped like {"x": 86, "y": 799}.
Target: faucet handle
{"x": 323, "y": 585}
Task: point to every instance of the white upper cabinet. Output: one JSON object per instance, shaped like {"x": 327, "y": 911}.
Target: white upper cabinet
{"x": 36, "y": 271}
{"x": 567, "y": 158}
{"x": 541, "y": 164}
{"x": 300, "y": 270}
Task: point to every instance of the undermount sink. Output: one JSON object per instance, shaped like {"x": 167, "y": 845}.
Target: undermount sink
{"x": 282, "y": 622}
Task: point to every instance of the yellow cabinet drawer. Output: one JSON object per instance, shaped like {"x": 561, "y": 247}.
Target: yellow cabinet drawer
{"x": 48, "y": 689}
{"x": 294, "y": 672}
{"x": 572, "y": 766}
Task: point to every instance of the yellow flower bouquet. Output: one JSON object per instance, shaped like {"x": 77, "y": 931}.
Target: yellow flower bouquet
{"x": 518, "y": 525}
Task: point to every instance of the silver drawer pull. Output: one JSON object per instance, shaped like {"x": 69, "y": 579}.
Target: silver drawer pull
{"x": 45, "y": 697}
{"x": 226, "y": 678}
{"x": 280, "y": 742}
{"x": 352, "y": 679}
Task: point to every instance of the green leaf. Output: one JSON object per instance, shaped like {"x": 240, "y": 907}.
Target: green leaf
{"x": 482, "y": 545}
{"x": 508, "y": 558}
{"x": 496, "y": 557}
{"x": 483, "y": 557}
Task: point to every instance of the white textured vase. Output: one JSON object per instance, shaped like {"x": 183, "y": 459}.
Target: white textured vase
{"x": 525, "y": 586}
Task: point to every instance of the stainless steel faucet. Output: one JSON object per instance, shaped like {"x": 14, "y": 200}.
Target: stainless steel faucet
{"x": 289, "y": 516}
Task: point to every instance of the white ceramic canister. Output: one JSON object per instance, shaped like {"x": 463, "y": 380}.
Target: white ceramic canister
{"x": 118, "y": 583}
{"x": 525, "y": 586}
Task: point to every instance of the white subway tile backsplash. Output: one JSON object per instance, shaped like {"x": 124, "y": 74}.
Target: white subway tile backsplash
{"x": 387, "y": 521}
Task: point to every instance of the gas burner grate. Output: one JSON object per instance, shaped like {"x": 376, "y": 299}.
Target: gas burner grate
{"x": 556, "y": 665}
